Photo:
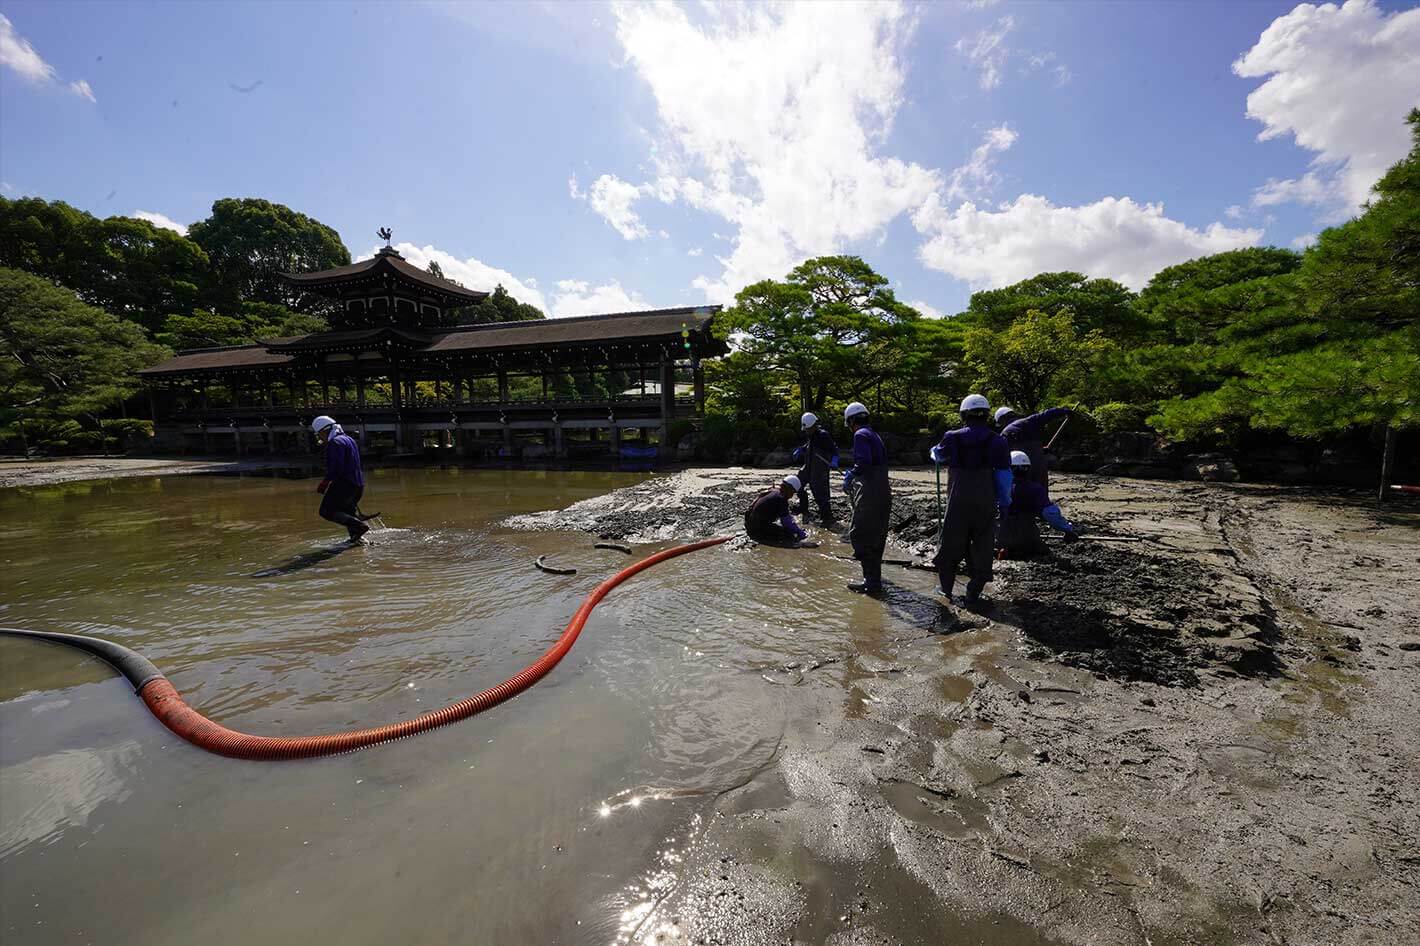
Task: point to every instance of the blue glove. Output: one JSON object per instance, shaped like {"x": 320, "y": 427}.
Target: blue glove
{"x": 833, "y": 462}
{"x": 937, "y": 455}
{"x": 847, "y": 480}
{"x": 798, "y": 455}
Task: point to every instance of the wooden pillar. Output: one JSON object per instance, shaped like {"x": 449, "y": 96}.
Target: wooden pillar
{"x": 360, "y": 387}
{"x": 396, "y": 395}
{"x": 557, "y": 446}
{"x": 615, "y": 440}
{"x": 699, "y": 373}
{"x": 667, "y": 398}
{"x": 502, "y": 386}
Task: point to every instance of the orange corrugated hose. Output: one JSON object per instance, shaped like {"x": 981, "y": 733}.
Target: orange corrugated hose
{"x": 167, "y": 704}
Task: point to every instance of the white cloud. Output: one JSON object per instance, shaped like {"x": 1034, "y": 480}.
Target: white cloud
{"x": 17, "y": 53}
{"x": 777, "y": 129}
{"x": 694, "y": 252}
{"x": 927, "y": 309}
{"x": 1304, "y": 241}
{"x": 614, "y": 199}
{"x": 471, "y": 273}
{"x": 981, "y": 4}
{"x": 987, "y": 50}
{"x": 573, "y": 189}
{"x": 1233, "y": 212}
{"x": 1047, "y": 61}
{"x": 1340, "y": 80}
{"x": 575, "y": 297}
{"x": 1310, "y": 188}
{"x": 160, "y": 220}
{"x": 1112, "y": 237}
{"x": 81, "y": 88}
{"x": 571, "y": 297}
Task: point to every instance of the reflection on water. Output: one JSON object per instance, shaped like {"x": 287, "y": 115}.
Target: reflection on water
{"x": 266, "y": 621}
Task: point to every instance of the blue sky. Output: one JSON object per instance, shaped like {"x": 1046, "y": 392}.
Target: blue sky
{"x": 598, "y": 157}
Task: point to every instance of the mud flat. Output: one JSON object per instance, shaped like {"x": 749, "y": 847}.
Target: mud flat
{"x": 16, "y": 472}
{"x": 1201, "y": 732}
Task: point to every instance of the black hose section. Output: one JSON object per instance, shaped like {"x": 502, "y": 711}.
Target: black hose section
{"x": 139, "y": 670}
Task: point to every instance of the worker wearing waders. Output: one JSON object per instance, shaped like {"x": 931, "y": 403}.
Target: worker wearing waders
{"x": 1019, "y": 536}
{"x": 344, "y": 481}
{"x": 871, "y": 497}
{"x": 768, "y": 519}
{"x": 1027, "y": 434}
{"x": 978, "y": 466}
{"x": 818, "y": 455}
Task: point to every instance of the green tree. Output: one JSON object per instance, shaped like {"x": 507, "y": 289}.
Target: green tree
{"x": 122, "y": 264}
{"x": 833, "y": 323}
{"x": 61, "y": 358}
{"x": 502, "y": 307}
{"x": 251, "y": 242}
{"x": 1101, "y": 304}
{"x": 1037, "y": 355}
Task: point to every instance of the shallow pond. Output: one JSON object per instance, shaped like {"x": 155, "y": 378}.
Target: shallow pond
{"x": 543, "y": 820}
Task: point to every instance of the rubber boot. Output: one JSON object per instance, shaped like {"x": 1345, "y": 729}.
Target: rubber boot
{"x": 357, "y": 535}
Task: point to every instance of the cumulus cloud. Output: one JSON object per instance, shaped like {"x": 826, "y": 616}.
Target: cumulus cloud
{"x": 571, "y": 297}
{"x": 777, "y": 130}
{"x": 1340, "y": 81}
{"x": 1304, "y": 241}
{"x": 576, "y": 297}
{"x": 471, "y": 273}
{"x": 1113, "y": 237}
{"x": 1234, "y": 212}
{"x": 927, "y": 309}
{"x": 16, "y": 53}
{"x": 160, "y": 220}
{"x": 615, "y": 200}
{"x": 987, "y": 51}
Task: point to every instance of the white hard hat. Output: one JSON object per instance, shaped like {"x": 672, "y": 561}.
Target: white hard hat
{"x": 854, "y": 409}
{"x": 321, "y": 423}
{"x": 793, "y": 482}
{"x": 808, "y": 420}
{"x": 975, "y": 402}
{"x": 1020, "y": 458}
{"x": 1002, "y": 412}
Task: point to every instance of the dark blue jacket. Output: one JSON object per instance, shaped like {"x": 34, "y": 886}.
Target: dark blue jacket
{"x": 342, "y": 460}
{"x": 868, "y": 450}
{"x": 1029, "y": 428}
{"x": 1029, "y": 498}
{"x": 974, "y": 447}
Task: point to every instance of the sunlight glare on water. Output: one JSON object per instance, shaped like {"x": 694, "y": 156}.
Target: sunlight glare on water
{"x": 266, "y": 622}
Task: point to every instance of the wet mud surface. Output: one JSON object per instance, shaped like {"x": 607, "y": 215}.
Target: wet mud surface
{"x": 1197, "y": 727}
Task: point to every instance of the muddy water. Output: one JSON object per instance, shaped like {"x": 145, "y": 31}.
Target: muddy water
{"x": 552, "y": 818}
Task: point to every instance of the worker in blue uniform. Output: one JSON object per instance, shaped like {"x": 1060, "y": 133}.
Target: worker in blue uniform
{"x": 768, "y": 519}
{"x": 1027, "y": 434}
{"x": 871, "y": 497}
{"x": 819, "y": 454}
{"x": 978, "y": 466}
{"x": 1019, "y": 536}
{"x": 344, "y": 481}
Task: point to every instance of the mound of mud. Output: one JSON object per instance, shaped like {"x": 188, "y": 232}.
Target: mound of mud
{"x": 1129, "y": 614}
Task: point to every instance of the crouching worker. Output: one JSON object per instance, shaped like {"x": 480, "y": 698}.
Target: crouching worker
{"x": 344, "y": 481}
{"x": 978, "y": 466}
{"x": 768, "y": 520}
{"x": 1030, "y": 501}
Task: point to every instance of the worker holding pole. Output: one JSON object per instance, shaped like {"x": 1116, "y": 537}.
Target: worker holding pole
{"x": 1027, "y": 434}
{"x": 868, "y": 488}
{"x": 819, "y": 454}
{"x": 978, "y": 466}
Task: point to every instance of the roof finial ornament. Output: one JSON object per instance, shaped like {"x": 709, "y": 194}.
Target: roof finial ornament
{"x": 384, "y": 234}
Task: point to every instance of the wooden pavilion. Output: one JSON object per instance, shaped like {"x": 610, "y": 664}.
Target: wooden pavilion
{"x": 395, "y": 375}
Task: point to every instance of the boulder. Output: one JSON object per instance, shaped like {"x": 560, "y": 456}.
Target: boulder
{"x": 1210, "y": 467}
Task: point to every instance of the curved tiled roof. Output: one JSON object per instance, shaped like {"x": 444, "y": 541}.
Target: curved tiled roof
{"x": 656, "y": 325}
